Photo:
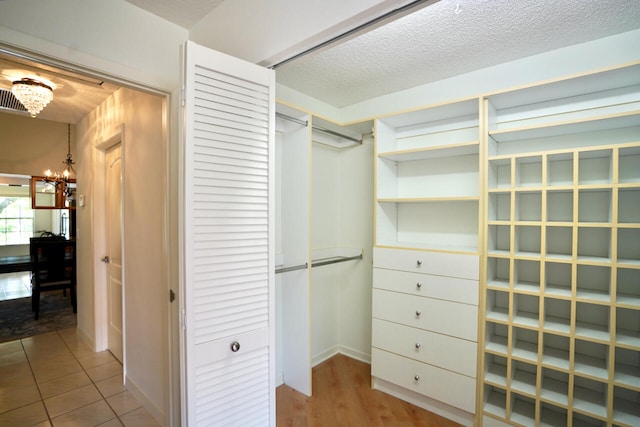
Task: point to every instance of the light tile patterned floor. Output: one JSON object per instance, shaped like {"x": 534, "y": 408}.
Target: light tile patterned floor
{"x": 15, "y": 285}
{"x": 55, "y": 379}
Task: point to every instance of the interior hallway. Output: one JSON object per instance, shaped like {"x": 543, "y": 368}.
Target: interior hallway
{"x": 55, "y": 379}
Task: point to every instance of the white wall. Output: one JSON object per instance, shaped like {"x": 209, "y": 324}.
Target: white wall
{"x": 146, "y": 297}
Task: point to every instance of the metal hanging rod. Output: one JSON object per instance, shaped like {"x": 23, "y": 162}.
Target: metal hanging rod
{"x": 294, "y": 268}
{"x": 318, "y": 128}
{"x": 334, "y": 260}
{"x": 355, "y": 31}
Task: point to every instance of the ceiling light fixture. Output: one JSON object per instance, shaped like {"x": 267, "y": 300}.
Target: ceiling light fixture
{"x": 33, "y": 94}
{"x": 55, "y": 178}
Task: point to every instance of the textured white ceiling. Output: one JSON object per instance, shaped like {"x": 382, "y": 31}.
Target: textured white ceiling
{"x": 436, "y": 42}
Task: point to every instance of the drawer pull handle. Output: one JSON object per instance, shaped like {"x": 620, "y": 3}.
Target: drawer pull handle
{"x": 418, "y": 345}
{"x": 418, "y": 285}
{"x": 235, "y": 346}
{"x": 418, "y": 312}
{"x": 419, "y": 262}
{"x": 417, "y": 377}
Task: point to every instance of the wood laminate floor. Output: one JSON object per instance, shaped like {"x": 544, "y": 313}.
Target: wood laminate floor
{"x": 342, "y": 396}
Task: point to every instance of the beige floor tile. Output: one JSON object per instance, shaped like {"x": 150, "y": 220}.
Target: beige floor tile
{"x": 123, "y": 402}
{"x": 9, "y": 359}
{"x": 10, "y": 347}
{"x": 110, "y": 386}
{"x": 112, "y": 423}
{"x": 106, "y": 370}
{"x": 16, "y": 376}
{"x": 72, "y": 400}
{"x": 24, "y": 416}
{"x": 139, "y": 418}
{"x": 18, "y": 397}
{"x": 64, "y": 384}
{"x": 96, "y": 359}
{"x": 91, "y": 415}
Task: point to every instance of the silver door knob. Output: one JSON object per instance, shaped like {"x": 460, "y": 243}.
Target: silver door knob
{"x": 235, "y": 346}
{"x": 419, "y": 262}
{"x": 106, "y": 259}
{"x": 416, "y": 378}
{"x": 418, "y": 345}
{"x": 418, "y": 285}
{"x": 418, "y": 312}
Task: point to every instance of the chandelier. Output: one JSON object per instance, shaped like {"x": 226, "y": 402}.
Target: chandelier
{"x": 34, "y": 95}
{"x": 56, "y": 178}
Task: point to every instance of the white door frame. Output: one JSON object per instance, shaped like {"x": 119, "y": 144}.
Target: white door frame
{"x": 100, "y": 240}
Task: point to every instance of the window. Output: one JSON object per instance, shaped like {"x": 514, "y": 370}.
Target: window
{"x": 16, "y": 220}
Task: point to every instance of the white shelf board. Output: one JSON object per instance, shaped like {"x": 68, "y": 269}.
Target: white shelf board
{"x": 591, "y": 124}
{"x": 627, "y": 376}
{"x": 524, "y": 383}
{"x": 628, "y": 338}
{"x": 496, "y": 374}
{"x": 589, "y": 295}
{"x": 526, "y": 287}
{"x": 555, "y": 358}
{"x": 557, "y": 324}
{"x": 428, "y": 199}
{"x": 625, "y": 262}
{"x": 498, "y": 284}
{"x": 628, "y": 300}
{"x": 438, "y": 151}
{"x": 626, "y": 412}
{"x": 557, "y": 291}
{"x": 554, "y": 391}
{"x": 525, "y": 351}
{"x": 497, "y": 345}
{"x": 498, "y": 314}
{"x": 590, "y": 402}
{"x": 591, "y": 366}
{"x": 429, "y": 246}
{"x": 526, "y": 319}
{"x": 592, "y": 331}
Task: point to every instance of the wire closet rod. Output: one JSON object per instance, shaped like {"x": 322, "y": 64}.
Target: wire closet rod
{"x": 318, "y": 128}
{"x": 318, "y": 263}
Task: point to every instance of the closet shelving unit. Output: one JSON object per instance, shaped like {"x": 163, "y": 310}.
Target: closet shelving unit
{"x": 426, "y": 258}
{"x": 561, "y": 270}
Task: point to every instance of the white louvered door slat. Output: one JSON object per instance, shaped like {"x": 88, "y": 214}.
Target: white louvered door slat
{"x": 228, "y": 241}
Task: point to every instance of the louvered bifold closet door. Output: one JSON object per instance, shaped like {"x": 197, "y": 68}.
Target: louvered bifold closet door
{"x": 228, "y": 254}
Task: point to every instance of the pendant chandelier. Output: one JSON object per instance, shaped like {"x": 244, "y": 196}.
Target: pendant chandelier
{"x": 33, "y": 94}
{"x": 56, "y": 178}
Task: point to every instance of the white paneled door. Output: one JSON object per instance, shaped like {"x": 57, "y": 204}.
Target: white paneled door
{"x": 228, "y": 256}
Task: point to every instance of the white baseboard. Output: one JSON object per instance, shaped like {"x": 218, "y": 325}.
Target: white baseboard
{"x": 156, "y": 413}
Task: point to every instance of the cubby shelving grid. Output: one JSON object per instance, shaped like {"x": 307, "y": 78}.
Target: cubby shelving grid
{"x": 560, "y": 342}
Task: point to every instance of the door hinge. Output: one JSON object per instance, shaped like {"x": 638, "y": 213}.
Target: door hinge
{"x": 172, "y": 295}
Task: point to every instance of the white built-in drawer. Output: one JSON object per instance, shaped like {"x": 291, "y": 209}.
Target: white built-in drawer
{"x": 427, "y": 285}
{"x": 453, "y": 354}
{"x": 444, "y": 317}
{"x": 439, "y": 263}
{"x": 445, "y": 386}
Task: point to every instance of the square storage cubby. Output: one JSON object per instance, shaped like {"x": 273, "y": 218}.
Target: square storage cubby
{"x": 523, "y": 377}
{"x": 591, "y": 359}
{"x": 495, "y": 370}
{"x": 527, "y": 275}
{"x": 495, "y": 401}
{"x": 555, "y": 351}
{"x": 525, "y": 344}
{"x": 523, "y": 410}
{"x": 496, "y": 337}
{"x": 629, "y": 165}
{"x": 628, "y": 287}
{"x": 499, "y": 240}
{"x": 560, "y": 206}
{"x": 500, "y": 173}
{"x": 628, "y": 327}
{"x": 627, "y": 367}
{"x": 594, "y": 205}
{"x": 629, "y": 246}
{"x": 626, "y": 406}
{"x": 580, "y": 420}
{"x": 527, "y": 240}
{"x": 557, "y": 279}
{"x": 552, "y": 416}
{"x": 593, "y": 283}
{"x": 555, "y": 386}
{"x": 559, "y": 242}
{"x": 595, "y": 167}
{"x": 557, "y": 315}
{"x": 590, "y": 397}
{"x": 592, "y": 321}
{"x": 529, "y": 171}
{"x": 528, "y": 206}
{"x": 594, "y": 244}
{"x": 498, "y": 273}
{"x": 560, "y": 169}
{"x": 499, "y": 206}
{"x": 629, "y": 205}
{"x": 526, "y": 310}
{"x": 498, "y": 306}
